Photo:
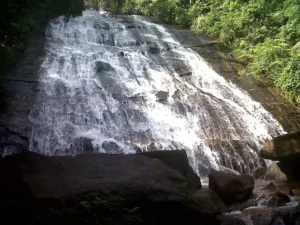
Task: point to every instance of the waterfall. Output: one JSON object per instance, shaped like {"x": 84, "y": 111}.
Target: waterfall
{"x": 118, "y": 84}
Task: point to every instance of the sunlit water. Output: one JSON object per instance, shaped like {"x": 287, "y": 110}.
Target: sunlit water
{"x": 123, "y": 82}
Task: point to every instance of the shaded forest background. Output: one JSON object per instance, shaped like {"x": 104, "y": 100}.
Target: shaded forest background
{"x": 263, "y": 34}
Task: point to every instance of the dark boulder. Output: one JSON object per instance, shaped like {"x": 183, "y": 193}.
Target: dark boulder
{"x": 153, "y": 147}
{"x": 274, "y": 173}
{"x": 209, "y": 202}
{"x": 269, "y": 188}
{"x": 272, "y": 215}
{"x": 122, "y": 54}
{"x": 80, "y": 145}
{"x": 162, "y": 96}
{"x": 177, "y": 159}
{"x": 154, "y": 50}
{"x": 231, "y": 188}
{"x": 283, "y": 196}
{"x": 278, "y": 199}
{"x": 259, "y": 216}
{"x": 159, "y": 192}
{"x": 185, "y": 74}
{"x": 128, "y": 176}
{"x": 284, "y": 147}
{"x": 259, "y": 173}
{"x": 275, "y": 202}
{"x": 103, "y": 67}
{"x": 111, "y": 147}
{"x": 290, "y": 169}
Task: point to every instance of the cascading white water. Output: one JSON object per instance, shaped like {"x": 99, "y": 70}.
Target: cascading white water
{"x": 122, "y": 81}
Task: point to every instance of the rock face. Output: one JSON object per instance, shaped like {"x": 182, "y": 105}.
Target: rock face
{"x": 209, "y": 202}
{"x": 284, "y": 147}
{"x": 269, "y": 188}
{"x": 133, "y": 177}
{"x": 177, "y": 160}
{"x": 231, "y": 151}
{"x": 278, "y": 199}
{"x": 231, "y": 188}
{"x": 259, "y": 173}
{"x": 274, "y": 173}
{"x": 22, "y": 86}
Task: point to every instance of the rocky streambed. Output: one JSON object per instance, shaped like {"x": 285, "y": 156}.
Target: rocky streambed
{"x": 149, "y": 188}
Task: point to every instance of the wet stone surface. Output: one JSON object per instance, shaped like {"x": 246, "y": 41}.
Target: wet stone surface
{"x": 134, "y": 82}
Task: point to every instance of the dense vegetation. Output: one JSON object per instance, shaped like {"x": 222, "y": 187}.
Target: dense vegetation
{"x": 20, "y": 18}
{"x": 265, "y": 34}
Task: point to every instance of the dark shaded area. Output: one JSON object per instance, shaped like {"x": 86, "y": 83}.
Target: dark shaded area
{"x": 290, "y": 169}
{"x": 19, "y": 19}
{"x": 96, "y": 189}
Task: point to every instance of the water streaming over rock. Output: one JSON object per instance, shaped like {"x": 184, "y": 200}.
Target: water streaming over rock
{"x": 123, "y": 82}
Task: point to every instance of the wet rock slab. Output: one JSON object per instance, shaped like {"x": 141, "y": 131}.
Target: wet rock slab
{"x": 127, "y": 176}
{"x": 22, "y": 87}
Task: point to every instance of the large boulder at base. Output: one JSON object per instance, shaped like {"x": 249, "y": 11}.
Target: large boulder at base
{"x": 209, "y": 202}
{"x": 178, "y": 160}
{"x": 132, "y": 177}
{"x": 278, "y": 199}
{"x": 231, "y": 188}
{"x": 284, "y": 147}
{"x": 274, "y": 173}
{"x": 143, "y": 186}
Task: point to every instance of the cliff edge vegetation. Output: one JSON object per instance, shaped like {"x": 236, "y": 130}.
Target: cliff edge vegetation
{"x": 262, "y": 34}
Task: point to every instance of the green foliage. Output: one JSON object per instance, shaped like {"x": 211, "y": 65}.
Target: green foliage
{"x": 104, "y": 210}
{"x": 262, "y": 33}
{"x": 289, "y": 81}
{"x": 265, "y": 34}
{"x": 113, "y": 6}
{"x": 169, "y": 11}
